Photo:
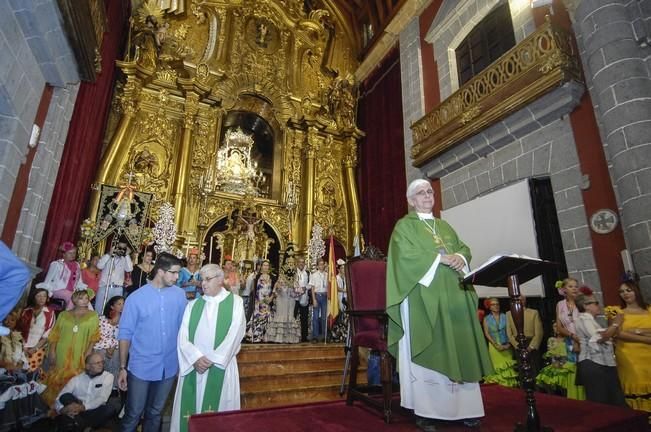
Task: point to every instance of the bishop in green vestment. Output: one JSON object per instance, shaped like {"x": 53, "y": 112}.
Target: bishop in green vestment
{"x": 433, "y": 328}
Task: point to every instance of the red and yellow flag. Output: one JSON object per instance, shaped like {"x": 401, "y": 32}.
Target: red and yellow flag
{"x": 333, "y": 298}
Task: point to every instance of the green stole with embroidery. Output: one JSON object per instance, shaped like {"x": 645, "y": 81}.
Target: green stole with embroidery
{"x": 215, "y": 381}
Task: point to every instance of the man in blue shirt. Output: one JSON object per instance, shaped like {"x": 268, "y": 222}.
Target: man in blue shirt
{"x": 14, "y": 276}
{"x": 149, "y": 326}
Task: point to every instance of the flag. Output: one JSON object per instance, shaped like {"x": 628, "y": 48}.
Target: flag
{"x": 333, "y": 298}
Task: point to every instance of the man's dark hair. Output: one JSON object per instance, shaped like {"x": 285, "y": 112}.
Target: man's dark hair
{"x": 164, "y": 261}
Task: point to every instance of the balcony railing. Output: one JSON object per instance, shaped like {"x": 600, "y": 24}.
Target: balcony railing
{"x": 544, "y": 60}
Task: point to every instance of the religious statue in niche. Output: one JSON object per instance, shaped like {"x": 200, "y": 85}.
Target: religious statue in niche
{"x": 263, "y": 35}
{"x": 341, "y": 101}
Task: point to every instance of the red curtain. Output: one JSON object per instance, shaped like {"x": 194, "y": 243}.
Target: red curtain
{"x": 83, "y": 146}
{"x": 381, "y": 175}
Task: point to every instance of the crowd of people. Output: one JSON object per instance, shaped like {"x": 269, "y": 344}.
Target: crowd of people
{"x": 113, "y": 337}
{"x": 93, "y": 335}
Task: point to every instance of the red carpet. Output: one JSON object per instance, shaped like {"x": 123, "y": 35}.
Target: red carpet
{"x": 503, "y": 407}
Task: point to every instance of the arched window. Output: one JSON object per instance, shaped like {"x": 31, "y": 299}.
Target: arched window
{"x": 485, "y": 43}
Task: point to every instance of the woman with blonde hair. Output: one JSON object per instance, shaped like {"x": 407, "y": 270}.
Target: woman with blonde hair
{"x": 71, "y": 340}
{"x": 499, "y": 348}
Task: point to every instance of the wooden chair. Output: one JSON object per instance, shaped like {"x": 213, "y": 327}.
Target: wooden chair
{"x": 366, "y": 294}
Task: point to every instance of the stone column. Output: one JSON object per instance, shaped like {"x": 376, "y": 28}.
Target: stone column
{"x": 613, "y": 56}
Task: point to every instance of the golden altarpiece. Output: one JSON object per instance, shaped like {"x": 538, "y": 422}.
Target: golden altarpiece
{"x": 205, "y": 82}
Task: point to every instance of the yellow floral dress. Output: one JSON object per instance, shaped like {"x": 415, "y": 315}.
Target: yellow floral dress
{"x": 634, "y": 360}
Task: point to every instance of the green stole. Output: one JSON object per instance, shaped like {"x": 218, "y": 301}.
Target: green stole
{"x": 215, "y": 382}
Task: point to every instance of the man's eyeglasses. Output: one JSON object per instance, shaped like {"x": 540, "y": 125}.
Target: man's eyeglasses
{"x": 591, "y": 302}
{"x": 424, "y": 193}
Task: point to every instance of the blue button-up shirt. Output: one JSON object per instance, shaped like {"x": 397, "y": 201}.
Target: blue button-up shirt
{"x": 150, "y": 321}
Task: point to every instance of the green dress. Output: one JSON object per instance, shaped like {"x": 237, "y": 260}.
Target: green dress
{"x": 445, "y": 334}
{"x": 73, "y": 338}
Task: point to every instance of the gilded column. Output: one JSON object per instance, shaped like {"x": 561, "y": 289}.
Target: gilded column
{"x": 184, "y": 161}
{"x": 109, "y": 166}
{"x": 354, "y": 213}
{"x": 307, "y": 195}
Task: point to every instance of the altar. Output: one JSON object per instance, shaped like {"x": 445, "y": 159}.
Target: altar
{"x": 242, "y": 117}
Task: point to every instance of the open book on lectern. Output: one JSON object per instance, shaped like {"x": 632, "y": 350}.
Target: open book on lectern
{"x": 497, "y": 268}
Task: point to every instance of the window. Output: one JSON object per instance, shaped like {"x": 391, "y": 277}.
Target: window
{"x": 491, "y": 38}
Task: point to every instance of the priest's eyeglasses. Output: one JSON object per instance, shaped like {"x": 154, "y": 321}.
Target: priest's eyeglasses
{"x": 424, "y": 193}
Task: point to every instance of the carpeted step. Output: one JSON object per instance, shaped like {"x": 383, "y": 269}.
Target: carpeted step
{"x": 290, "y": 396}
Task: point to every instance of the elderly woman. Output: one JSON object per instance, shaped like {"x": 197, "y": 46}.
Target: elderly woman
{"x": 596, "y": 366}
{"x": 433, "y": 328}
{"x": 35, "y": 324}
{"x": 633, "y": 349}
{"x": 64, "y": 275}
{"x": 566, "y": 315}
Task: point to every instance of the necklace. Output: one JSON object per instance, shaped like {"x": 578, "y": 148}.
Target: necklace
{"x": 437, "y": 238}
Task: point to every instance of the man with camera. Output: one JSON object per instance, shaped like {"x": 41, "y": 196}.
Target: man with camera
{"x": 113, "y": 267}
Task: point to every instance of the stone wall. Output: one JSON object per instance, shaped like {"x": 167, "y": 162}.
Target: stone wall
{"x": 35, "y": 52}
{"x": 413, "y": 103}
{"x": 613, "y": 38}
{"x": 534, "y": 142}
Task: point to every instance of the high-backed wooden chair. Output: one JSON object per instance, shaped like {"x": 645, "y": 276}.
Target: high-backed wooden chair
{"x": 366, "y": 294}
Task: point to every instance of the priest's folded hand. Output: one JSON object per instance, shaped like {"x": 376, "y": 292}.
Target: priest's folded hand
{"x": 202, "y": 365}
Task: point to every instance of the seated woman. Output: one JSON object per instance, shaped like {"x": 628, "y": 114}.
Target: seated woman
{"x": 35, "y": 324}
{"x": 64, "y": 275}
{"x": 71, "y": 340}
{"x": 283, "y": 327}
{"x": 108, "y": 344}
{"x": 633, "y": 349}
{"x": 12, "y": 357}
{"x": 596, "y": 367}
{"x": 499, "y": 348}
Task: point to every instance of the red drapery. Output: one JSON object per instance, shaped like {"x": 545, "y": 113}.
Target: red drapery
{"x": 83, "y": 146}
{"x": 382, "y": 180}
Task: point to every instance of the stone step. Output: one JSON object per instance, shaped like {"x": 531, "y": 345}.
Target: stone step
{"x": 296, "y": 380}
{"x": 279, "y": 397}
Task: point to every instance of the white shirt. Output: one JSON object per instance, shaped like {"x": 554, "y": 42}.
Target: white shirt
{"x": 121, "y": 265}
{"x": 92, "y": 392}
{"x": 588, "y": 331}
{"x": 302, "y": 278}
{"x": 248, "y": 286}
{"x": 57, "y": 278}
{"x": 319, "y": 281}
{"x": 37, "y": 329}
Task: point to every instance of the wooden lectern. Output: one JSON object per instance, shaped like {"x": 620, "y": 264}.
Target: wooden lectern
{"x": 510, "y": 271}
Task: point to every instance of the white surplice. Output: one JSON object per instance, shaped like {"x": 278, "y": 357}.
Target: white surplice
{"x": 223, "y": 357}
{"x": 429, "y": 393}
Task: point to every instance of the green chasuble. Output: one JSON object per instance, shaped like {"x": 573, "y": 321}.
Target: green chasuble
{"x": 445, "y": 333}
